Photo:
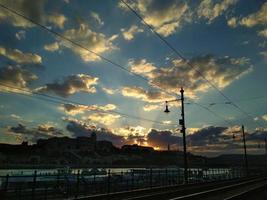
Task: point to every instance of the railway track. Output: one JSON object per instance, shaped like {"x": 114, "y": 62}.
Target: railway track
{"x": 236, "y": 191}
{"x": 190, "y": 191}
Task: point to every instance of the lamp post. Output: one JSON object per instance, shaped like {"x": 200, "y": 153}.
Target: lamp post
{"x": 182, "y": 124}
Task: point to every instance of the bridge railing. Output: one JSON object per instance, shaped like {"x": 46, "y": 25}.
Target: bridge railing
{"x": 60, "y": 185}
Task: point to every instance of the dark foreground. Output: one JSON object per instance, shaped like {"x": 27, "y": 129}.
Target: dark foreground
{"x": 103, "y": 184}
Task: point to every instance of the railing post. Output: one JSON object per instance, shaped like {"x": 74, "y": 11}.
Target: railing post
{"x": 166, "y": 176}
{"x": 34, "y": 184}
{"x": 6, "y": 187}
{"x": 150, "y": 178}
{"x": 94, "y": 182}
{"x": 108, "y": 189}
{"x": 132, "y": 180}
{"x": 77, "y": 184}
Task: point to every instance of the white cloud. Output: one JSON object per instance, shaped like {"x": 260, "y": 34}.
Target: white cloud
{"x": 263, "y": 33}
{"x": 52, "y": 47}
{"x": 264, "y": 54}
{"x": 103, "y": 118}
{"x": 131, "y": 32}
{"x": 232, "y": 22}
{"x": 210, "y": 10}
{"x": 73, "y": 109}
{"x": 150, "y": 107}
{"x": 20, "y": 57}
{"x": 147, "y": 96}
{"x": 166, "y": 17}
{"x": 56, "y": 19}
{"x": 141, "y": 67}
{"x": 96, "y": 42}
{"x": 15, "y": 116}
{"x": 258, "y": 18}
{"x": 108, "y": 90}
{"x": 264, "y": 117}
{"x": 221, "y": 71}
{"x": 97, "y": 18}
{"x": 20, "y": 34}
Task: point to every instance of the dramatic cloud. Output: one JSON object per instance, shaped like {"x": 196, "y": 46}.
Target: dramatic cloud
{"x": 96, "y": 42}
{"x": 208, "y": 135}
{"x": 131, "y": 32}
{"x": 147, "y": 96}
{"x": 20, "y": 57}
{"x": 210, "y": 10}
{"x": 15, "y": 76}
{"x": 51, "y": 47}
{"x": 164, "y": 16}
{"x": 71, "y": 85}
{"x": 221, "y": 71}
{"x": 73, "y": 109}
{"x": 43, "y": 131}
{"x": 31, "y": 9}
{"x": 258, "y": 18}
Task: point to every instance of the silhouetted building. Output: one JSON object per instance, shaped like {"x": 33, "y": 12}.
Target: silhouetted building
{"x": 136, "y": 149}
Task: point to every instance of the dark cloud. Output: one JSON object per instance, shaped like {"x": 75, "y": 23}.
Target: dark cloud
{"x": 257, "y": 135}
{"x": 30, "y": 8}
{"x": 33, "y": 9}
{"x": 81, "y": 129}
{"x": 158, "y": 138}
{"x": 208, "y": 135}
{"x": 70, "y": 85}
{"x": 15, "y": 76}
{"x": 43, "y": 131}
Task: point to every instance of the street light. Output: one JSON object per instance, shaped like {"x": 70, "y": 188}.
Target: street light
{"x": 182, "y": 124}
{"x": 166, "y": 108}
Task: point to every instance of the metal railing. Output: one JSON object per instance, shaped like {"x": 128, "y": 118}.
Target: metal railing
{"x": 60, "y": 185}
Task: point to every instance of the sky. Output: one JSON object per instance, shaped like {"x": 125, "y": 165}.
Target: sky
{"x": 114, "y": 74}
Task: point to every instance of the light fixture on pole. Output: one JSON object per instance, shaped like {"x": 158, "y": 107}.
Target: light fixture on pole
{"x": 182, "y": 124}
{"x": 166, "y": 107}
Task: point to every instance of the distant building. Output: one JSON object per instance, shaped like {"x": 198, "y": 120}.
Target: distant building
{"x": 63, "y": 144}
{"x": 136, "y": 149}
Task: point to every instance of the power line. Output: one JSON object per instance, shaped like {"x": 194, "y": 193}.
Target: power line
{"x": 240, "y": 100}
{"x": 184, "y": 59}
{"x": 84, "y": 48}
{"x": 212, "y": 112}
{"x": 63, "y": 101}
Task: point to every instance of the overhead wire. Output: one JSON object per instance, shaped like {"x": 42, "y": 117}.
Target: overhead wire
{"x": 59, "y": 35}
{"x": 57, "y": 100}
{"x": 186, "y": 60}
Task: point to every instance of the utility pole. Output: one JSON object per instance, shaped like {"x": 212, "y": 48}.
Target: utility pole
{"x": 182, "y": 123}
{"x": 245, "y": 150}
